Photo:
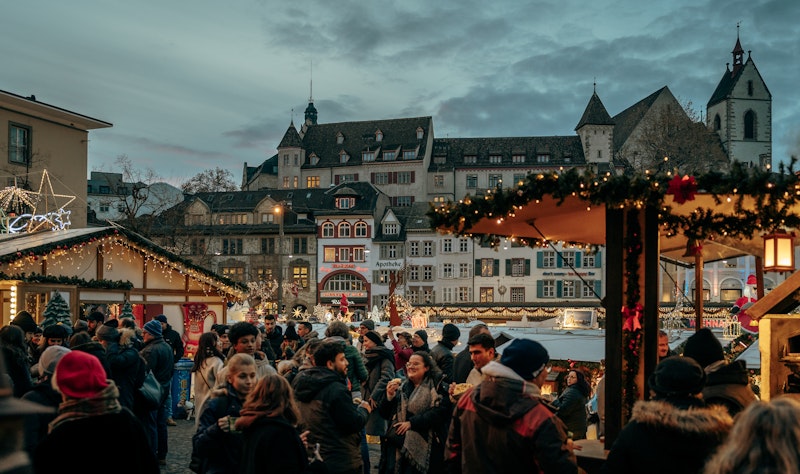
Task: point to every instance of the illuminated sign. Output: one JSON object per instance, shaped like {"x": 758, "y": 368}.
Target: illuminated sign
{"x": 344, "y": 265}
{"x": 349, "y": 294}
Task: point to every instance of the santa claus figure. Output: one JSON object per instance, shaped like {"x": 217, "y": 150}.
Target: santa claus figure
{"x": 739, "y": 308}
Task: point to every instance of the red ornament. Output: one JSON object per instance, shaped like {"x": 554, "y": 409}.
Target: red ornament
{"x": 632, "y": 317}
{"x": 683, "y": 189}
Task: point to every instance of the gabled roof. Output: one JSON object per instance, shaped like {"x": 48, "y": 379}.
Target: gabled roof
{"x": 728, "y": 81}
{"x": 367, "y": 199}
{"x": 291, "y": 139}
{"x": 269, "y": 167}
{"x": 360, "y": 136}
{"x": 595, "y": 113}
{"x": 626, "y": 121}
{"x": 565, "y": 150}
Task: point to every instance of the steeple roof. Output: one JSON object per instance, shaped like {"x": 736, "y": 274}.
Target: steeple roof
{"x": 291, "y": 139}
{"x": 595, "y": 113}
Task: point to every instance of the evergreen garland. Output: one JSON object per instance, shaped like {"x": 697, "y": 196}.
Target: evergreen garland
{"x": 632, "y": 333}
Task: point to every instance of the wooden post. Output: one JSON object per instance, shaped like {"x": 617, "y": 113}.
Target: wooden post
{"x": 650, "y": 294}
{"x": 759, "y": 277}
{"x": 698, "y": 290}
{"x": 615, "y": 270}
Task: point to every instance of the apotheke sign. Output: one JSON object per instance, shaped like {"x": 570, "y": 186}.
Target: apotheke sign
{"x": 390, "y": 265}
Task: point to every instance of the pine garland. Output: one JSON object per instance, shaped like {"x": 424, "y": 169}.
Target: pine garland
{"x": 632, "y": 336}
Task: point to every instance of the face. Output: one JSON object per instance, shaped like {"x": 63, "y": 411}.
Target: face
{"x": 663, "y": 346}
{"x": 404, "y": 341}
{"x": 417, "y": 341}
{"x": 415, "y": 368}
{"x": 244, "y": 379}
{"x": 54, "y": 341}
{"x": 368, "y": 344}
{"x": 218, "y": 343}
{"x": 224, "y": 340}
{"x": 269, "y": 325}
{"x": 37, "y": 338}
{"x": 480, "y": 355}
{"x": 246, "y": 345}
{"x": 302, "y": 330}
{"x": 572, "y": 378}
{"x": 92, "y": 324}
{"x": 362, "y": 330}
{"x": 163, "y": 326}
{"x": 339, "y": 365}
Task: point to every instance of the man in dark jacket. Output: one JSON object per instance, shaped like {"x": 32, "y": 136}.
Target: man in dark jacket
{"x": 442, "y": 352}
{"x": 159, "y": 357}
{"x": 273, "y": 334}
{"x": 174, "y": 340}
{"x": 123, "y": 362}
{"x": 43, "y": 393}
{"x": 502, "y": 425}
{"x": 726, "y": 384}
{"x": 327, "y": 409}
{"x": 462, "y": 363}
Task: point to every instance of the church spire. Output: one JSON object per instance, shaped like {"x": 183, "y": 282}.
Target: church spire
{"x": 738, "y": 54}
{"x": 311, "y": 111}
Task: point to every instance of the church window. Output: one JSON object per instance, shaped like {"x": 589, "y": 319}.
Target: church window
{"x": 750, "y": 88}
{"x": 717, "y": 123}
{"x": 749, "y": 125}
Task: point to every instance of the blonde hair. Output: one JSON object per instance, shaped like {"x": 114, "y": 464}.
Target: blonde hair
{"x": 237, "y": 362}
{"x": 765, "y": 439}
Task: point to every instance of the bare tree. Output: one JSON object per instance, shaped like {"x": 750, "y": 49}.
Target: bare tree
{"x": 211, "y": 180}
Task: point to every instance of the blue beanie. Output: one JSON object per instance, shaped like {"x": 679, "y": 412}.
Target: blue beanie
{"x": 153, "y": 327}
{"x": 526, "y": 357}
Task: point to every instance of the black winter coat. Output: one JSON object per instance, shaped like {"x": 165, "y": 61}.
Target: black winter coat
{"x": 442, "y": 354}
{"x": 571, "y": 405}
{"x": 271, "y": 444}
{"x": 36, "y": 427}
{"x": 462, "y": 366}
{"x": 124, "y": 363}
{"x": 174, "y": 340}
{"x": 223, "y": 451}
{"x": 729, "y": 386}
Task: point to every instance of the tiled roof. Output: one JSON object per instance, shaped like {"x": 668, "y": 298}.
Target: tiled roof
{"x": 398, "y": 134}
{"x": 291, "y": 139}
{"x": 595, "y": 113}
{"x": 627, "y": 120}
{"x": 414, "y": 218}
{"x": 565, "y": 150}
{"x": 269, "y": 166}
{"x": 367, "y": 199}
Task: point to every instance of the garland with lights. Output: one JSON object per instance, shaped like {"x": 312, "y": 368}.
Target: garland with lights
{"x": 631, "y": 313}
{"x": 65, "y": 280}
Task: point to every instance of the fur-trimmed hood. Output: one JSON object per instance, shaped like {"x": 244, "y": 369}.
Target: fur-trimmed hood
{"x": 696, "y": 419}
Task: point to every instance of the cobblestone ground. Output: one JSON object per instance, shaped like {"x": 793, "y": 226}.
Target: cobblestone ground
{"x": 180, "y": 449}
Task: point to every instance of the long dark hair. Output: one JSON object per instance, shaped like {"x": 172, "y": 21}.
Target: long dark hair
{"x": 206, "y": 348}
{"x": 12, "y": 338}
{"x": 433, "y": 369}
{"x": 581, "y": 385}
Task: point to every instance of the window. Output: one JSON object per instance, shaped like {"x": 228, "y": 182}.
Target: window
{"x": 268, "y": 245}
{"x": 344, "y": 157}
{"x": 263, "y": 273}
{"x": 368, "y": 156}
{"x": 378, "y": 136}
{"x": 300, "y": 276}
{"x": 358, "y": 254}
{"x": 344, "y": 255}
{"x": 344, "y": 282}
{"x": 402, "y": 201}
{"x": 285, "y": 181}
{"x": 569, "y": 258}
{"x": 231, "y": 246}
{"x": 549, "y": 289}
{"x": 543, "y": 158}
{"x": 717, "y": 123}
{"x": 327, "y": 229}
{"x": 439, "y": 160}
{"x": 105, "y": 190}
{"x": 447, "y": 295}
{"x": 750, "y": 88}
{"x": 569, "y": 289}
{"x": 197, "y": 246}
{"x": 427, "y": 273}
{"x": 600, "y": 154}
{"x": 380, "y": 178}
{"x": 391, "y": 228}
{"x": 487, "y": 294}
{"x": 472, "y": 180}
{"x": 234, "y": 273}
{"x": 413, "y": 272}
{"x": 463, "y": 245}
{"x": 295, "y": 182}
{"x": 463, "y": 270}
{"x": 405, "y": 177}
{"x": 232, "y": 219}
{"x": 427, "y": 248}
{"x": 104, "y": 207}
{"x": 519, "y": 179}
{"x": 345, "y": 178}
{"x": 464, "y": 294}
{"x": 391, "y": 251}
{"x": 344, "y": 229}
{"x": 495, "y": 180}
{"x": 194, "y": 219}
{"x": 447, "y": 270}
{"x": 548, "y": 259}
{"x": 412, "y": 294}
{"x": 427, "y": 294}
{"x": 587, "y": 291}
{"x": 517, "y": 267}
{"x": 314, "y": 159}
{"x": 749, "y": 125}
{"x": 413, "y": 249}
{"x": 296, "y": 159}
{"x": 409, "y": 154}
{"x": 286, "y": 159}
{"x": 518, "y": 158}
{"x": 517, "y": 294}
{"x": 588, "y": 260}
{"x": 19, "y": 144}
{"x": 420, "y": 131}
{"x": 360, "y": 229}
{"x": 267, "y": 218}
{"x": 447, "y": 245}
{"x": 299, "y": 245}
{"x": 495, "y": 159}
{"x": 438, "y": 181}
{"x": 488, "y": 267}
{"x": 345, "y": 203}
{"x": 329, "y": 254}
{"x": 339, "y": 138}
{"x": 312, "y": 181}
{"x": 470, "y": 159}
{"x": 389, "y": 155}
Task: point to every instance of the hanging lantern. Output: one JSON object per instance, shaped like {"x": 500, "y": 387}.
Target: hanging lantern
{"x": 779, "y": 251}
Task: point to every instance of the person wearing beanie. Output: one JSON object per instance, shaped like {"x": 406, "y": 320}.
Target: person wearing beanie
{"x": 43, "y": 393}
{"x": 727, "y": 384}
{"x": 675, "y": 421}
{"x": 379, "y": 361}
{"x": 53, "y": 335}
{"x": 366, "y": 325}
{"x": 94, "y": 320}
{"x": 79, "y": 326}
{"x": 90, "y": 405}
{"x": 419, "y": 341}
{"x": 24, "y": 320}
{"x": 503, "y": 425}
{"x": 442, "y": 352}
{"x": 160, "y": 360}
{"x": 125, "y": 367}
{"x": 175, "y": 341}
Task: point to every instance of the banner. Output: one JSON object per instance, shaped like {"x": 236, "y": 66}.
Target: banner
{"x": 194, "y": 318}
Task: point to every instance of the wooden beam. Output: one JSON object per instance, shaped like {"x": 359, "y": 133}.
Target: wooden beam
{"x": 615, "y": 261}
{"x": 698, "y": 291}
{"x": 650, "y": 293}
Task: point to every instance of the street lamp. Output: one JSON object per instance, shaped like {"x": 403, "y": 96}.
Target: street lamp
{"x": 279, "y": 212}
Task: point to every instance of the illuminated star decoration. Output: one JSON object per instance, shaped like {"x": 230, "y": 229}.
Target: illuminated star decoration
{"x": 32, "y": 211}
{"x": 297, "y": 312}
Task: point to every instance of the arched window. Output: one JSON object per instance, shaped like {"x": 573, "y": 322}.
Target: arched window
{"x": 749, "y": 125}
{"x": 344, "y": 229}
{"x": 327, "y": 229}
{"x": 717, "y": 123}
{"x": 344, "y": 282}
{"x": 361, "y": 229}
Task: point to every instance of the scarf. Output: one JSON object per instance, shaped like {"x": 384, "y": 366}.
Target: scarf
{"x": 106, "y": 402}
{"x": 375, "y": 355}
{"x": 417, "y": 446}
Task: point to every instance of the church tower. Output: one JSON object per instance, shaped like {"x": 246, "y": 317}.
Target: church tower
{"x": 596, "y": 130}
{"x": 740, "y": 111}
{"x": 291, "y": 157}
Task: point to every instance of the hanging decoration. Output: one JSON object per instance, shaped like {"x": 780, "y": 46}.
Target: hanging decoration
{"x": 57, "y": 311}
{"x": 33, "y": 211}
{"x": 194, "y": 317}
{"x": 682, "y": 189}
{"x": 632, "y": 312}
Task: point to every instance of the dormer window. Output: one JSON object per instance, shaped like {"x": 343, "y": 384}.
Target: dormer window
{"x": 339, "y": 138}
{"x": 345, "y": 203}
{"x": 409, "y": 154}
{"x": 543, "y": 158}
{"x": 389, "y": 155}
{"x": 495, "y": 159}
{"x": 368, "y": 156}
{"x": 313, "y": 159}
{"x": 470, "y": 159}
{"x": 518, "y": 158}
{"x": 343, "y": 157}
{"x": 420, "y": 132}
{"x": 391, "y": 228}
{"x": 378, "y": 136}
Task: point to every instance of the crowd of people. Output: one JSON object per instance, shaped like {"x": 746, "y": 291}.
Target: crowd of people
{"x": 272, "y": 398}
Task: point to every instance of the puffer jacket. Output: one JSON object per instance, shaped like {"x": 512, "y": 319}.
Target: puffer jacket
{"x": 571, "y": 408}
{"x": 502, "y": 425}
{"x": 729, "y": 386}
{"x": 327, "y": 411}
{"x": 668, "y": 436}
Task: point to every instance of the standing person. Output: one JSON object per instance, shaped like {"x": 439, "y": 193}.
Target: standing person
{"x": 765, "y": 438}
{"x": 43, "y": 393}
{"x": 244, "y": 340}
{"x": 217, "y": 439}
{"x": 90, "y": 407}
{"x": 208, "y": 362}
{"x": 85, "y": 343}
{"x": 368, "y": 325}
{"x": 306, "y": 331}
{"x": 53, "y": 335}
{"x": 356, "y": 370}
{"x": 663, "y": 345}
{"x": 481, "y": 350}
{"x": 268, "y": 423}
{"x": 571, "y": 404}
{"x": 273, "y": 333}
{"x": 380, "y": 367}
{"x": 24, "y": 320}
{"x": 15, "y": 354}
{"x": 502, "y": 425}
{"x": 727, "y": 384}
{"x": 327, "y": 409}
{"x": 442, "y": 352}
{"x": 419, "y": 409}
{"x": 133, "y": 338}
{"x": 124, "y": 363}
{"x": 174, "y": 340}
{"x": 222, "y": 331}
{"x": 419, "y": 341}
{"x": 463, "y": 365}
{"x": 673, "y": 432}
{"x": 159, "y": 357}
{"x": 93, "y": 321}
{"x": 402, "y": 348}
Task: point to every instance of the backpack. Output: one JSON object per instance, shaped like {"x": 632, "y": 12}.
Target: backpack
{"x": 198, "y": 461}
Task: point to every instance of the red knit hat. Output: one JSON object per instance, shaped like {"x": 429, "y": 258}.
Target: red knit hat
{"x": 79, "y": 375}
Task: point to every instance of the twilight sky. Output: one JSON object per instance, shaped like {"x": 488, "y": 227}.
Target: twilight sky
{"x": 194, "y": 84}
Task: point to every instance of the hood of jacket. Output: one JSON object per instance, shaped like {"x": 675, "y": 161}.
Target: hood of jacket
{"x": 698, "y": 419}
{"x": 308, "y": 383}
{"x": 734, "y": 373}
{"x": 503, "y": 396}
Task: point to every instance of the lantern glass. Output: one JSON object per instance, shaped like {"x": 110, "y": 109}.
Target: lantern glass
{"x": 779, "y": 252}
